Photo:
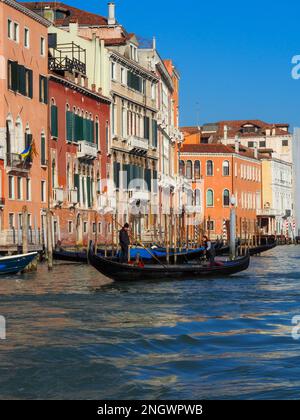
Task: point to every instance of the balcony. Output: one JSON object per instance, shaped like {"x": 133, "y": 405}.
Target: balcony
{"x": 87, "y": 150}
{"x": 16, "y": 164}
{"x": 73, "y": 197}
{"x": 68, "y": 57}
{"x": 140, "y": 196}
{"x": 138, "y": 145}
{"x": 267, "y": 212}
{"x": 58, "y": 196}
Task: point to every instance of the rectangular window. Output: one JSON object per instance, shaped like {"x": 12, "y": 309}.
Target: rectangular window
{"x": 85, "y": 227}
{"x": 113, "y": 71}
{"x": 285, "y": 143}
{"x": 43, "y": 191}
{"x": 26, "y": 38}
{"x": 16, "y": 32}
{"x": 11, "y": 220}
{"x": 11, "y": 189}
{"x": 123, "y": 76}
{"x": 9, "y": 29}
{"x": 70, "y": 226}
{"x": 43, "y": 45}
{"x": 250, "y": 144}
{"x": 210, "y": 225}
{"x": 100, "y": 227}
{"x": 262, "y": 144}
{"x": 19, "y": 188}
{"x": 147, "y": 128}
{"x": 94, "y": 228}
{"x": 43, "y": 89}
{"x": 28, "y": 189}
{"x": 134, "y": 82}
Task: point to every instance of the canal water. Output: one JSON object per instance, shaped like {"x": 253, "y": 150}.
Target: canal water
{"x": 72, "y": 334}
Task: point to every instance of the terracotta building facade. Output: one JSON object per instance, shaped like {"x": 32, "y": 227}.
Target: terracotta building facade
{"x": 218, "y": 173}
{"x": 23, "y": 123}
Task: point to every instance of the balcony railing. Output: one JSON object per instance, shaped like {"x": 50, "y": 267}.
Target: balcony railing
{"x": 73, "y": 197}
{"x": 87, "y": 150}
{"x": 15, "y": 163}
{"x": 269, "y": 212}
{"x": 140, "y": 196}
{"x": 58, "y": 196}
{"x": 138, "y": 144}
{"x": 68, "y": 57}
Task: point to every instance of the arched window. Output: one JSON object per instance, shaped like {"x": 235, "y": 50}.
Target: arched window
{"x": 19, "y": 136}
{"x": 226, "y": 198}
{"x": 189, "y": 169}
{"x": 209, "y": 168}
{"x": 197, "y": 170}
{"x": 210, "y": 198}
{"x": 197, "y": 198}
{"x": 226, "y": 168}
{"x": 181, "y": 168}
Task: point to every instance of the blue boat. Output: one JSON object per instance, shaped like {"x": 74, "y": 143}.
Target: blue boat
{"x": 14, "y": 264}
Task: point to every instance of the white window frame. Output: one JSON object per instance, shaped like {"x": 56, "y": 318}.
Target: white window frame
{"x": 16, "y": 32}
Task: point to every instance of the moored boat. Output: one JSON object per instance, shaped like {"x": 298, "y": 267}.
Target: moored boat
{"x": 15, "y": 264}
{"x": 128, "y": 272}
{"x": 261, "y": 249}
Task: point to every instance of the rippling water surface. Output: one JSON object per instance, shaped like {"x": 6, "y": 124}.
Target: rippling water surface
{"x": 73, "y": 334}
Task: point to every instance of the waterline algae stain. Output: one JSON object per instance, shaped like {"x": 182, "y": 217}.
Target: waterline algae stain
{"x": 77, "y": 335}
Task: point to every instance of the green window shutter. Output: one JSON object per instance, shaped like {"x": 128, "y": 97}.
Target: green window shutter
{"x": 97, "y": 134}
{"x": 43, "y": 150}
{"x": 117, "y": 169}
{"x": 83, "y": 191}
{"x": 92, "y": 132}
{"x": 22, "y": 80}
{"x": 148, "y": 179}
{"x": 146, "y": 128}
{"x": 88, "y": 189}
{"x": 77, "y": 185}
{"x": 41, "y": 88}
{"x": 69, "y": 125}
{"x": 154, "y": 133}
{"x": 54, "y": 121}
{"x": 30, "y": 82}
{"x": 14, "y": 76}
{"x": 84, "y": 129}
{"x": 46, "y": 90}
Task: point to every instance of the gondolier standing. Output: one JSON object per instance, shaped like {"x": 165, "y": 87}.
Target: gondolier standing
{"x": 124, "y": 243}
{"x": 210, "y": 251}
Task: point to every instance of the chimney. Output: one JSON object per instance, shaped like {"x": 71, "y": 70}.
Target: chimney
{"x": 111, "y": 13}
{"x": 154, "y": 43}
{"x": 225, "y": 132}
{"x": 237, "y": 144}
{"x": 255, "y": 151}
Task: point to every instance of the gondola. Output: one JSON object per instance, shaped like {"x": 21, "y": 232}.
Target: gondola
{"x": 71, "y": 256}
{"x": 157, "y": 255}
{"x": 16, "y": 263}
{"x": 127, "y": 272}
{"x": 261, "y": 249}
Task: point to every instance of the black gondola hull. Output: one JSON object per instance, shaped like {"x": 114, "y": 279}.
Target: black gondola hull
{"x": 125, "y": 272}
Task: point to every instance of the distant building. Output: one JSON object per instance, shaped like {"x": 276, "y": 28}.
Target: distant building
{"x": 219, "y": 172}
{"x": 276, "y": 215}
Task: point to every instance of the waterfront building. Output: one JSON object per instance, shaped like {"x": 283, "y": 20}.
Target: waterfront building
{"x": 79, "y": 128}
{"x": 276, "y": 217}
{"x": 218, "y": 172}
{"x": 23, "y": 124}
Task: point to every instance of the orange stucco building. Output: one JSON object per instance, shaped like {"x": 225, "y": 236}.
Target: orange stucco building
{"x": 222, "y": 172}
{"x": 23, "y": 121}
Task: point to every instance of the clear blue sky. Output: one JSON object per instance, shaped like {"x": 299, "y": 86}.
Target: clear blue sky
{"x": 234, "y": 57}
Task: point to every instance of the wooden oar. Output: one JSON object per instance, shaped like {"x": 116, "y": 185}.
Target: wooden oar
{"x": 143, "y": 246}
